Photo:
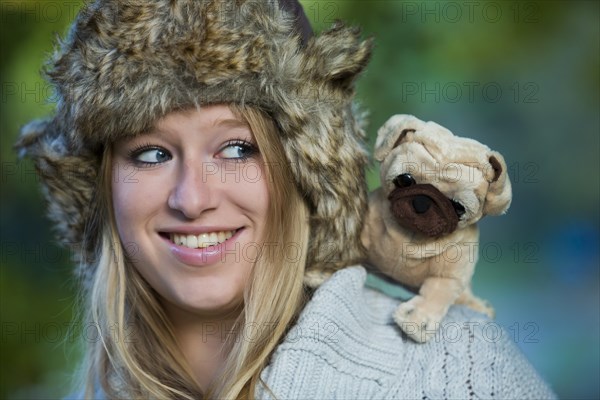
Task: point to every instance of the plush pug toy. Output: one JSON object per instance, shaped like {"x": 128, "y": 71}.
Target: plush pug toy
{"x": 421, "y": 226}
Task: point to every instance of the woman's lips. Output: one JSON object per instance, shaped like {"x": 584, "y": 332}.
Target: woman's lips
{"x": 209, "y": 255}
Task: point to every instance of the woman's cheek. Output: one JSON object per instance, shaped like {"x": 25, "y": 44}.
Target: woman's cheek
{"x": 131, "y": 196}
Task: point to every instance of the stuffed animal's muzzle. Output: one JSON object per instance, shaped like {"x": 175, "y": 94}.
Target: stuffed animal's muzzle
{"x": 423, "y": 208}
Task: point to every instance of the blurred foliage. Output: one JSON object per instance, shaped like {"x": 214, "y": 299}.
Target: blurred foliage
{"x": 38, "y": 341}
{"x": 522, "y": 77}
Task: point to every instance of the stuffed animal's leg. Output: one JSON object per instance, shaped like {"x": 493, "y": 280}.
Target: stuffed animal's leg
{"x": 420, "y": 317}
{"x": 470, "y": 300}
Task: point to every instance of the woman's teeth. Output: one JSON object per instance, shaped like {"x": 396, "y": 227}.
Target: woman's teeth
{"x": 200, "y": 241}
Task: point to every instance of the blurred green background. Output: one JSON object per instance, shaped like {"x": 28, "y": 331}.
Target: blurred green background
{"x": 522, "y": 77}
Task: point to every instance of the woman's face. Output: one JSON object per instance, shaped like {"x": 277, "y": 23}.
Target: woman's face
{"x": 190, "y": 201}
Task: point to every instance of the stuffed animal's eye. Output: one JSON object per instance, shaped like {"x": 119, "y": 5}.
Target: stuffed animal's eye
{"x": 458, "y": 208}
{"x": 404, "y": 180}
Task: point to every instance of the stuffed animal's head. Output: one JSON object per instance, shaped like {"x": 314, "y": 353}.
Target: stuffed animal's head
{"x": 437, "y": 182}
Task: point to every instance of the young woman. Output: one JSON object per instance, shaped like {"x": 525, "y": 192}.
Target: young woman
{"x": 204, "y": 157}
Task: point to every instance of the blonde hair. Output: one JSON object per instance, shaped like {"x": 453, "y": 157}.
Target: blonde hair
{"x": 137, "y": 354}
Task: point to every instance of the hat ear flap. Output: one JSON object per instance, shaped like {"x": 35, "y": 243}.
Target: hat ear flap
{"x": 499, "y": 195}
{"x": 338, "y": 55}
{"x": 394, "y": 132}
{"x": 68, "y": 183}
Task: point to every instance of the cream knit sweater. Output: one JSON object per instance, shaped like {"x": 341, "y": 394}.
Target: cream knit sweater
{"x": 346, "y": 346}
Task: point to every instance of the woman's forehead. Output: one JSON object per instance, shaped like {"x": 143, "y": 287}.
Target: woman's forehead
{"x": 209, "y": 115}
{"x": 201, "y": 118}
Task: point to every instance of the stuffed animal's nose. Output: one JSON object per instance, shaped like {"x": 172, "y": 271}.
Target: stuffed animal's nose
{"x": 421, "y": 204}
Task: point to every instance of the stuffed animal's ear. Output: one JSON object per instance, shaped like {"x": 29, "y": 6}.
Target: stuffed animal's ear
{"x": 394, "y": 132}
{"x": 499, "y": 195}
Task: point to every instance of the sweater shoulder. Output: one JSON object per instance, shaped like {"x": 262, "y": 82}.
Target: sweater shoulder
{"x": 346, "y": 345}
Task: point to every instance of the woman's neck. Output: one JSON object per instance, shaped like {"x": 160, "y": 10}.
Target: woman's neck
{"x": 202, "y": 340}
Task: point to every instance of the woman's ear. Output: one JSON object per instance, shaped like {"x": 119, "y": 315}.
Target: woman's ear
{"x": 499, "y": 195}
{"x": 394, "y": 132}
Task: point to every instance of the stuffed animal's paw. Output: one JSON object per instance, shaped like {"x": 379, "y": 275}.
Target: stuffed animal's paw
{"x": 315, "y": 278}
{"x": 481, "y": 306}
{"x": 416, "y": 320}
{"x": 477, "y": 304}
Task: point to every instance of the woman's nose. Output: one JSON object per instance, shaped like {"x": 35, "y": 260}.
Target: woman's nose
{"x": 195, "y": 191}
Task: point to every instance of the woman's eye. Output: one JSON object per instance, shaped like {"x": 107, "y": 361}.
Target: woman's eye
{"x": 151, "y": 156}
{"x": 238, "y": 150}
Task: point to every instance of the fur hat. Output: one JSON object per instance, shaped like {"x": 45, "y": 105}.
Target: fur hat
{"x": 125, "y": 64}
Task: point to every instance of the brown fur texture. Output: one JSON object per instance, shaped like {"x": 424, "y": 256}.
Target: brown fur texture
{"x": 125, "y": 64}
{"x": 441, "y": 266}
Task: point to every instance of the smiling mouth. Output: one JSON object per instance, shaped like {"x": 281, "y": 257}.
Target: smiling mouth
{"x": 200, "y": 241}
